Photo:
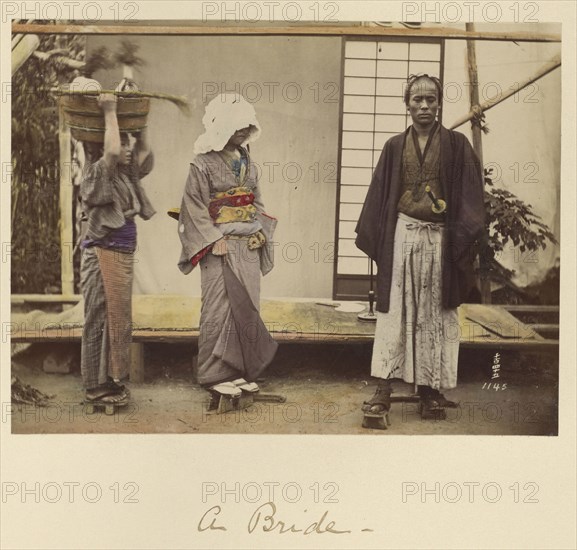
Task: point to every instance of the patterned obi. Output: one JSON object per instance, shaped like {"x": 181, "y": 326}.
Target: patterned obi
{"x": 234, "y": 205}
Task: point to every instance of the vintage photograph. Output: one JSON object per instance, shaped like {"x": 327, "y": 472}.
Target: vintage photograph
{"x": 307, "y": 227}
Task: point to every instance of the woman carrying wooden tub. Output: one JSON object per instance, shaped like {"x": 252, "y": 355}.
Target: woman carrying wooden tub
{"x": 224, "y": 230}
{"x": 111, "y": 196}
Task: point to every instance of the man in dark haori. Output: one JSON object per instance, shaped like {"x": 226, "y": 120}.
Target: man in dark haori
{"x": 422, "y": 219}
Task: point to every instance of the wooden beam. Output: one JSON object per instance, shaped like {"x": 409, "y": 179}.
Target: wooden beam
{"x": 74, "y": 334}
{"x": 200, "y": 28}
{"x": 545, "y": 327}
{"x": 477, "y": 134}
{"x": 45, "y": 298}
{"x": 524, "y": 308}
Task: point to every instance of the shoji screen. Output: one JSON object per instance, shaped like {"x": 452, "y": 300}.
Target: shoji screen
{"x": 375, "y": 73}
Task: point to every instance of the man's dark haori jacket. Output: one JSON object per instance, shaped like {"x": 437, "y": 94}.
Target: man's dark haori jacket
{"x": 462, "y": 181}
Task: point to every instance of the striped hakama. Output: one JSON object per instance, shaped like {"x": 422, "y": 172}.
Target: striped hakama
{"x": 418, "y": 339}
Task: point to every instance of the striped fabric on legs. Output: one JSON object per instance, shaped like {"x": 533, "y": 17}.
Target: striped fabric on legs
{"x": 117, "y": 274}
{"x": 94, "y": 360}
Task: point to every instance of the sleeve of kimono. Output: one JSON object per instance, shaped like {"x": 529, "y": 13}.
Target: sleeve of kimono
{"x": 195, "y": 226}
{"x": 471, "y": 214}
{"x": 268, "y": 224}
{"x": 367, "y": 228}
{"x": 137, "y": 172}
{"x": 145, "y": 166}
{"x": 96, "y": 184}
{"x": 258, "y": 202}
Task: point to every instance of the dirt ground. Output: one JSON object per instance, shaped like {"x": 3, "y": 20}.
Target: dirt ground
{"x": 324, "y": 387}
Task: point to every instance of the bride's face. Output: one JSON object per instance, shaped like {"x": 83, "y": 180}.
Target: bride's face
{"x": 240, "y": 136}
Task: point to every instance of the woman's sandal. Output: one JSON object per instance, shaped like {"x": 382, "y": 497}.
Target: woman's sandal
{"x": 107, "y": 397}
{"x": 226, "y": 389}
{"x": 251, "y": 387}
{"x": 113, "y": 385}
{"x": 107, "y": 393}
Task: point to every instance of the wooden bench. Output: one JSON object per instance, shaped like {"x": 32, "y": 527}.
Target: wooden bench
{"x": 170, "y": 319}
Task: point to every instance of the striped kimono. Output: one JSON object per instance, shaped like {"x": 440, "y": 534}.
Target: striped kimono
{"x": 110, "y": 201}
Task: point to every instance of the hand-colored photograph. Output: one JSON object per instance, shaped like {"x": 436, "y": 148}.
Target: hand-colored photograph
{"x": 285, "y": 228}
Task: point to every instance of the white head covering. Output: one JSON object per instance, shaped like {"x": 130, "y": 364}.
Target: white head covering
{"x": 223, "y": 116}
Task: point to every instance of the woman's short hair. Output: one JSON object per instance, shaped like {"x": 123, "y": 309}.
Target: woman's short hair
{"x": 414, "y": 77}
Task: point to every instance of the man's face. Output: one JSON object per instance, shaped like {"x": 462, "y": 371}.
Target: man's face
{"x": 423, "y": 102}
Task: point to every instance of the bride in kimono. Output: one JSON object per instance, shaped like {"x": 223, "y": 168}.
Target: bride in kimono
{"x": 224, "y": 231}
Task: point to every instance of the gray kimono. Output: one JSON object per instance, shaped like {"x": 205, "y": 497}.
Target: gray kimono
{"x": 233, "y": 342}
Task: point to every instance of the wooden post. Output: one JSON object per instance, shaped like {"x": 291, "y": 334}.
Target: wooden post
{"x": 194, "y": 365}
{"x": 66, "y": 206}
{"x": 136, "y": 373}
{"x": 477, "y": 139}
{"x": 474, "y": 92}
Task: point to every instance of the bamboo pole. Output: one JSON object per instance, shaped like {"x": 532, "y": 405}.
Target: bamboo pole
{"x": 477, "y": 143}
{"x": 180, "y": 101}
{"x": 544, "y": 70}
{"x": 59, "y": 58}
{"x": 66, "y": 206}
{"x": 310, "y": 30}
{"x": 22, "y": 50}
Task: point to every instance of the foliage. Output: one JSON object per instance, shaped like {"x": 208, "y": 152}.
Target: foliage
{"x": 99, "y": 59}
{"x": 35, "y": 174}
{"x": 509, "y": 219}
{"x": 36, "y": 248}
{"x": 127, "y": 54}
